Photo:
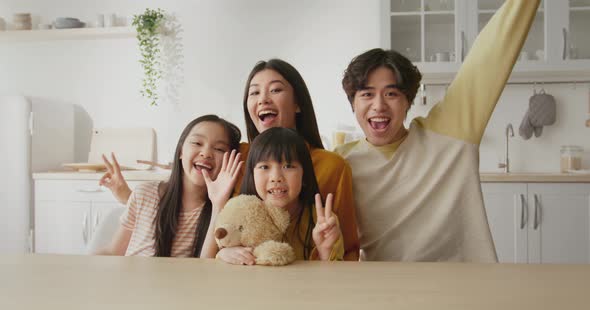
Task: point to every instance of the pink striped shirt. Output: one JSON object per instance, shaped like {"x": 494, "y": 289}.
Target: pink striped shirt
{"x": 142, "y": 208}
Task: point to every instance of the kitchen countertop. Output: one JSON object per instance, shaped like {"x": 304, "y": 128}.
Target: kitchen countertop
{"x": 157, "y": 175}
{"x": 109, "y": 282}
{"x": 534, "y": 177}
{"x": 130, "y": 175}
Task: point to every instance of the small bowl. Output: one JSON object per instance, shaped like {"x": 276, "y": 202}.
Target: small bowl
{"x": 67, "y": 22}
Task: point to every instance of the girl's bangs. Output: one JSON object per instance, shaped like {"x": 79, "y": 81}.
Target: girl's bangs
{"x": 279, "y": 151}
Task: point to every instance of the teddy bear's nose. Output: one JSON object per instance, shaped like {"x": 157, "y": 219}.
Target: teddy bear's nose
{"x": 220, "y": 233}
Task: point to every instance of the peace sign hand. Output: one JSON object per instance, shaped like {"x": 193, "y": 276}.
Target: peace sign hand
{"x": 326, "y": 231}
{"x": 114, "y": 180}
{"x": 220, "y": 189}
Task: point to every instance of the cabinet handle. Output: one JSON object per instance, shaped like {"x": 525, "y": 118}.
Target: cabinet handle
{"x": 564, "y": 54}
{"x": 523, "y": 218}
{"x": 84, "y": 228}
{"x": 537, "y": 213}
{"x": 462, "y": 45}
{"x": 95, "y": 190}
{"x": 96, "y": 221}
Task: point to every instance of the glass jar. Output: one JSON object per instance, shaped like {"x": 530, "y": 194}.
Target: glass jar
{"x": 571, "y": 157}
{"x": 343, "y": 134}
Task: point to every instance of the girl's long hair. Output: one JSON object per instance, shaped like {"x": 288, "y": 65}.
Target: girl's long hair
{"x": 285, "y": 144}
{"x": 166, "y": 220}
{"x": 305, "y": 120}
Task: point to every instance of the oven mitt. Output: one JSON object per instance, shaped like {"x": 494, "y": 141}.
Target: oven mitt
{"x": 538, "y": 131}
{"x": 541, "y": 112}
{"x": 526, "y": 129}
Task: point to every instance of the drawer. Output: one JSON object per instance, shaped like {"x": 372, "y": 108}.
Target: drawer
{"x": 75, "y": 190}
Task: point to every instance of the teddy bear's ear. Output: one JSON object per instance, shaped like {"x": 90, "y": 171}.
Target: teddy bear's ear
{"x": 279, "y": 216}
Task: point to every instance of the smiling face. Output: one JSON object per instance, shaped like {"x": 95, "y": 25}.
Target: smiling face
{"x": 203, "y": 149}
{"x": 380, "y": 108}
{"x": 271, "y": 101}
{"x": 279, "y": 183}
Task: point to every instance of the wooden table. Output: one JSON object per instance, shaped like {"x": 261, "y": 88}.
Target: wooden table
{"x": 85, "y": 282}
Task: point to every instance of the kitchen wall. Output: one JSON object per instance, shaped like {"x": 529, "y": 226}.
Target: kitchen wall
{"x": 100, "y": 79}
{"x": 222, "y": 41}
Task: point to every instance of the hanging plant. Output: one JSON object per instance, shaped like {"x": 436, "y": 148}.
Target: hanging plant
{"x": 147, "y": 26}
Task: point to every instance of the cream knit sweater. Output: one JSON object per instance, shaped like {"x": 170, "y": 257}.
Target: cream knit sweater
{"x": 419, "y": 199}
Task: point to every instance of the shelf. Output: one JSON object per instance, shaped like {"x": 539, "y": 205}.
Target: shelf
{"x": 415, "y": 13}
{"x": 488, "y": 11}
{"x": 526, "y": 71}
{"x": 439, "y": 12}
{"x": 418, "y": 13}
{"x": 67, "y": 34}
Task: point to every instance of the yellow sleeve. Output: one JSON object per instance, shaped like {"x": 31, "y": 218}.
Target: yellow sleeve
{"x": 471, "y": 98}
{"x": 244, "y": 149}
{"x": 334, "y": 176}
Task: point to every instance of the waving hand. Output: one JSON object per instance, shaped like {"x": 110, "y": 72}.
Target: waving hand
{"x": 220, "y": 189}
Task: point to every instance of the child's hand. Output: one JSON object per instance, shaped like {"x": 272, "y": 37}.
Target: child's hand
{"x": 237, "y": 256}
{"x": 220, "y": 190}
{"x": 326, "y": 231}
{"x": 113, "y": 180}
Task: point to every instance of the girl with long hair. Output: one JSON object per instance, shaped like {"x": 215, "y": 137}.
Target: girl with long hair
{"x": 175, "y": 218}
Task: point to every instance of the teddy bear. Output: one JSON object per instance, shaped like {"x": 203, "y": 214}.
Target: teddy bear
{"x": 247, "y": 221}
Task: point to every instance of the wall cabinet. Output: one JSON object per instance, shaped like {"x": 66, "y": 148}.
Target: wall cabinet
{"x": 67, "y": 213}
{"x": 539, "y": 222}
{"x": 438, "y": 34}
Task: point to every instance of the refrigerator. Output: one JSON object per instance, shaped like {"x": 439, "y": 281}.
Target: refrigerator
{"x": 16, "y": 178}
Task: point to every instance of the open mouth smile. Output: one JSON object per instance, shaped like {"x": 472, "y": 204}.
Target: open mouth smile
{"x": 379, "y": 123}
{"x": 267, "y": 116}
{"x": 202, "y": 166}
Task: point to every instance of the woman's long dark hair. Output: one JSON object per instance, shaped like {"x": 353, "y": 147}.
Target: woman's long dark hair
{"x": 166, "y": 221}
{"x": 285, "y": 144}
{"x": 305, "y": 120}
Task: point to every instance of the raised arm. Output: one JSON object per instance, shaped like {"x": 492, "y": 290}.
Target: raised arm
{"x": 471, "y": 98}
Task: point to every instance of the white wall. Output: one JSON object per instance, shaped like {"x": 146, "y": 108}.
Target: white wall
{"x": 222, "y": 41}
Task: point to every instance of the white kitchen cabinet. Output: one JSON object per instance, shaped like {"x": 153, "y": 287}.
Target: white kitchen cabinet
{"x": 556, "y": 49}
{"x": 61, "y": 226}
{"x": 431, "y": 33}
{"x": 67, "y": 212}
{"x": 539, "y": 222}
{"x": 506, "y": 209}
{"x": 559, "y": 228}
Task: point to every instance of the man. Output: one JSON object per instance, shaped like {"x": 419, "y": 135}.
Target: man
{"x": 417, "y": 190}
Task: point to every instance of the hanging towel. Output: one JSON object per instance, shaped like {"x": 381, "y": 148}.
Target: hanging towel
{"x": 541, "y": 112}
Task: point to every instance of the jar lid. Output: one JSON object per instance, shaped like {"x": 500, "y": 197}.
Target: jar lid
{"x": 572, "y": 148}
